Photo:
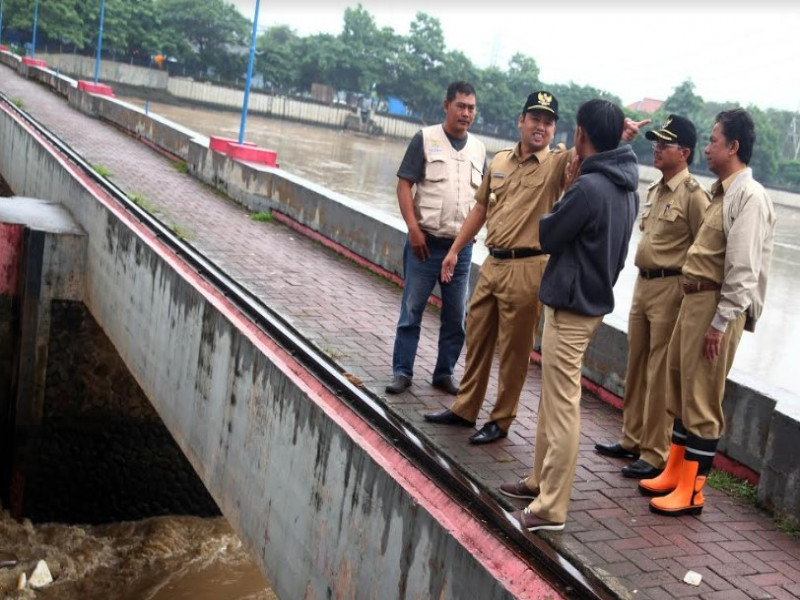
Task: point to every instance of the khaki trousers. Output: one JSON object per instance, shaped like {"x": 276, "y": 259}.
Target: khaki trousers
{"x": 503, "y": 315}
{"x": 566, "y": 336}
{"x": 654, "y": 310}
{"x": 695, "y": 386}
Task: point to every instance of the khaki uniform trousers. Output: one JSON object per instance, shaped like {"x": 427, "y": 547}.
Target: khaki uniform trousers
{"x": 566, "y": 336}
{"x": 503, "y": 314}
{"x": 654, "y": 310}
{"x": 695, "y": 386}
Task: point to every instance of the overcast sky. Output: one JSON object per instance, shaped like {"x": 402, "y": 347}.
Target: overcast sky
{"x": 732, "y": 51}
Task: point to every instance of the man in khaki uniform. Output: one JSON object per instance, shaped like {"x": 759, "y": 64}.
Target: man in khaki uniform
{"x": 669, "y": 222}
{"x": 521, "y": 185}
{"x": 726, "y": 273}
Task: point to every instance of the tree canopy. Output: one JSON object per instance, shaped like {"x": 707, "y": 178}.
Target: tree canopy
{"x": 211, "y": 39}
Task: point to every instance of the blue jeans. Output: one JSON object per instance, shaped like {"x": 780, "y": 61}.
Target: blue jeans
{"x": 420, "y": 277}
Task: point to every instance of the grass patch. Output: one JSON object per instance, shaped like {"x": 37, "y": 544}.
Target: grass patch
{"x": 788, "y": 525}
{"x": 180, "y": 167}
{"x": 262, "y": 217}
{"x": 733, "y": 486}
{"x": 102, "y": 171}
{"x": 182, "y": 232}
{"x": 18, "y": 102}
{"x": 142, "y": 202}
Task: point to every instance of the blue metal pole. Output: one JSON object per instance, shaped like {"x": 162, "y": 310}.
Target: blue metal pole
{"x": 249, "y": 74}
{"x": 1, "y": 21}
{"x": 35, "y": 23}
{"x": 99, "y": 41}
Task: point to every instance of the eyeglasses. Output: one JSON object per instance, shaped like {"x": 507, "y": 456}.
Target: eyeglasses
{"x": 664, "y": 145}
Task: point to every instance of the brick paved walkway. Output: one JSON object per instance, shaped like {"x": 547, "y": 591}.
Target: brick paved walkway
{"x": 350, "y": 314}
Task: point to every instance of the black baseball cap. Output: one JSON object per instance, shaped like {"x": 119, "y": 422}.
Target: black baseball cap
{"x": 541, "y": 100}
{"x": 675, "y": 130}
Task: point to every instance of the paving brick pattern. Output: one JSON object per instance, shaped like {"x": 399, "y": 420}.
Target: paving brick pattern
{"x": 350, "y": 314}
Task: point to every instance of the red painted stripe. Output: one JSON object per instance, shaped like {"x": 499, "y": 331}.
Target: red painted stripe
{"x": 10, "y": 255}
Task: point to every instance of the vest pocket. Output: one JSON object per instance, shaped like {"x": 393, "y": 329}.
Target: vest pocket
{"x": 436, "y": 170}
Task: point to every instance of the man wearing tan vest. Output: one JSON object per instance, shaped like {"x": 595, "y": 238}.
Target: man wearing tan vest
{"x": 521, "y": 186}
{"x": 436, "y": 184}
{"x": 669, "y": 222}
{"x": 726, "y": 272}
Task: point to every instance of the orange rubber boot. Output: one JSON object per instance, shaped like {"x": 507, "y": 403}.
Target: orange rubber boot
{"x": 687, "y": 498}
{"x": 667, "y": 481}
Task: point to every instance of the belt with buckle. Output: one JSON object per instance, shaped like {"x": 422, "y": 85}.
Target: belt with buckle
{"x": 656, "y": 273}
{"x": 692, "y": 287}
{"x": 514, "y": 253}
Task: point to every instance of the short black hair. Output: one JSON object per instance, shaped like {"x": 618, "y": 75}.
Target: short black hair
{"x": 602, "y": 121}
{"x": 737, "y": 124}
{"x": 459, "y": 87}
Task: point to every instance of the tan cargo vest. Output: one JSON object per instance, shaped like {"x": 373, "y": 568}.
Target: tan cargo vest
{"x": 447, "y": 193}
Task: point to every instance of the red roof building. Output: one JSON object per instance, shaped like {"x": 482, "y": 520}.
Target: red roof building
{"x": 646, "y": 105}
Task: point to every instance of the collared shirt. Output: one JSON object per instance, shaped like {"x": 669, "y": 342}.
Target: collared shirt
{"x": 670, "y": 221}
{"x": 518, "y": 193}
{"x": 734, "y": 247}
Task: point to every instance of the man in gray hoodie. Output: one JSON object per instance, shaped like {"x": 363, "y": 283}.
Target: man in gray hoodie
{"x": 587, "y": 237}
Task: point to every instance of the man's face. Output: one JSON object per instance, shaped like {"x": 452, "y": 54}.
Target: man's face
{"x": 667, "y": 156}
{"x": 537, "y": 128}
{"x": 718, "y": 151}
{"x": 459, "y": 113}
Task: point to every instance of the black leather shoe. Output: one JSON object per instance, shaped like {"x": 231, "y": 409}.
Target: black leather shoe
{"x": 615, "y": 451}
{"x": 446, "y": 384}
{"x": 448, "y": 417}
{"x": 400, "y": 383}
{"x": 640, "y": 469}
{"x": 487, "y": 434}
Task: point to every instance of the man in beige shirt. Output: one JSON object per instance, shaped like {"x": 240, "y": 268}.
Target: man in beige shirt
{"x": 726, "y": 272}
{"x": 669, "y": 222}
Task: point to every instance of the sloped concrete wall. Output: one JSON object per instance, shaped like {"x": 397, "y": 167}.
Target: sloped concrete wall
{"x": 327, "y": 505}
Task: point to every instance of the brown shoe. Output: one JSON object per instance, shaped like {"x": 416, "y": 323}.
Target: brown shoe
{"x": 533, "y": 523}
{"x": 518, "y": 490}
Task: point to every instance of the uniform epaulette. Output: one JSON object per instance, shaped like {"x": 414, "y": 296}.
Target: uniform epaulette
{"x": 653, "y": 184}
{"x": 691, "y": 183}
{"x": 560, "y": 147}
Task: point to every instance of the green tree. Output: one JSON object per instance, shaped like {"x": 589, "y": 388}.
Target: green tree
{"x": 58, "y": 21}
{"x": 420, "y": 72}
{"x": 684, "y": 102}
{"x": 277, "y": 49}
{"x": 205, "y": 33}
{"x": 523, "y": 76}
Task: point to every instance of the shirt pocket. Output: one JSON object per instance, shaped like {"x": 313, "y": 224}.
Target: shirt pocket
{"x": 711, "y": 235}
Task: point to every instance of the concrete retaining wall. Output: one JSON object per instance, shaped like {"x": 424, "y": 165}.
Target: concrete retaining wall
{"x": 282, "y": 107}
{"x": 756, "y": 416}
{"x": 322, "y": 500}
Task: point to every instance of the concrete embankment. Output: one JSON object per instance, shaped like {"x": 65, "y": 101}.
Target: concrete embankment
{"x": 355, "y": 515}
{"x": 762, "y": 426}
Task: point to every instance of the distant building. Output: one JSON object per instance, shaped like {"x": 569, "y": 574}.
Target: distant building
{"x": 646, "y": 105}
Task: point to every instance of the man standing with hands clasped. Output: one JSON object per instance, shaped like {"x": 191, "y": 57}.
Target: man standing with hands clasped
{"x": 587, "y": 237}
{"x": 670, "y": 219}
{"x": 726, "y": 272}
{"x": 445, "y": 165}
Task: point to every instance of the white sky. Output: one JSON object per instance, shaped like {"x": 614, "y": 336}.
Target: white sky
{"x": 732, "y": 51}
